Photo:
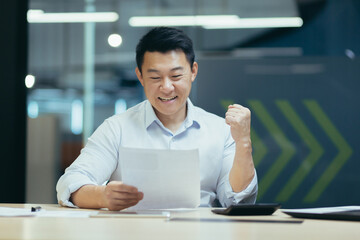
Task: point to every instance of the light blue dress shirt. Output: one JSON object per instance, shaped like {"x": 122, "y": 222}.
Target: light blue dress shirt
{"x": 139, "y": 127}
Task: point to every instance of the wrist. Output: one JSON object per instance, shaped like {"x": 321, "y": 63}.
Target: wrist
{"x": 102, "y": 203}
{"x": 244, "y": 143}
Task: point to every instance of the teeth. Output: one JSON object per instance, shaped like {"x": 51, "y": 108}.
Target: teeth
{"x": 167, "y": 99}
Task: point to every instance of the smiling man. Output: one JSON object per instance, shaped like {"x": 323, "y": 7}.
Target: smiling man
{"x": 166, "y": 120}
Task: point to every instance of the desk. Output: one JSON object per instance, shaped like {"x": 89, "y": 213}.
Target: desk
{"x": 157, "y": 228}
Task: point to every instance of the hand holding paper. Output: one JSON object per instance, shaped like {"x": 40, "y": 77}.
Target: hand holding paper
{"x": 120, "y": 196}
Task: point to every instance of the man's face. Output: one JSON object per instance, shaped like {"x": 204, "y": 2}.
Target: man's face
{"x": 167, "y": 78}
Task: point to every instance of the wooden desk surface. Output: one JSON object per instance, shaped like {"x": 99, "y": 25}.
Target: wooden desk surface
{"x": 158, "y": 228}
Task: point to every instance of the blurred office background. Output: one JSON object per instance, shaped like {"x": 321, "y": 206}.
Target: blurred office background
{"x": 299, "y": 75}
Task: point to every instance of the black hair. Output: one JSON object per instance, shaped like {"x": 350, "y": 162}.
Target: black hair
{"x": 164, "y": 39}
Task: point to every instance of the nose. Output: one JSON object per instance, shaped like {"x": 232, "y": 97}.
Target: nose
{"x": 167, "y": 85}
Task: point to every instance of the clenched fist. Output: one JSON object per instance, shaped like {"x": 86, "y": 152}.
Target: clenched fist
{"x": 239, "y": 118}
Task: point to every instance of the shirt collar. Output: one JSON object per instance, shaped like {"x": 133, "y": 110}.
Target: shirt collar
{"x": 150, "y": 115}
{"x": 190, "y": 119}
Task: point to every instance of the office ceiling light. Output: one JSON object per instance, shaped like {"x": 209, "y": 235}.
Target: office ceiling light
{"x": 39, "y": 16}
{"x": 114, "y": 40}
{"x": 258, "y": 23}
{"x": 29, "y": 81}
{"x": 199, "y": 20}
{"x": 215, "y": 21}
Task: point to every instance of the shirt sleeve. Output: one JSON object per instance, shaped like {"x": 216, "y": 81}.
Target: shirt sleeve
{"x": 95, "y": 164}
{"x": 225, "y": 193}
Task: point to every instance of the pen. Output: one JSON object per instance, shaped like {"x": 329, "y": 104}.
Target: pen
{"x": 35, "y": 209}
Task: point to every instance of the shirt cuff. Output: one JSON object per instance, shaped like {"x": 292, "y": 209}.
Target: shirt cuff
{"x": 65, "y": 193}
{"x": 248, "y": 195}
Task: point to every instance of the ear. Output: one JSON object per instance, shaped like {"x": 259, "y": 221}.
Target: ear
{"x": 139, "y": 76}
{"x": 194, "y": 71}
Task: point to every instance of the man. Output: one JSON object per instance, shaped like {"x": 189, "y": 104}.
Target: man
{"x": 166, "y": 120}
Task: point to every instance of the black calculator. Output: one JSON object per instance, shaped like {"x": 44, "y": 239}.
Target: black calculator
{"x": 248, "y": 209}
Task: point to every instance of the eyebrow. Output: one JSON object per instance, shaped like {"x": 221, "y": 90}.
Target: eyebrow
{"x": 152, "y": 70}
{"x": 177, "y": 68}
{"x": 156, "y": 71}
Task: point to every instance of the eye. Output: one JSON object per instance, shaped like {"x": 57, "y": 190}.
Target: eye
{"x": 177, "y": 76}
{"x": 155, "y": 78}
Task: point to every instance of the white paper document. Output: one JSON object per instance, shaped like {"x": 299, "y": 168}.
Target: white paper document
{"x": 322, "y": 210}
{"x": 26, "y": 212}
{"x": 67, "y": 214}
{"x": 168, "y": 178}
{"x": 15, "y": 212}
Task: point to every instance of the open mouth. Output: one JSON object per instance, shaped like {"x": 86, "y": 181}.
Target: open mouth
{"x": 166, "y": 99}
